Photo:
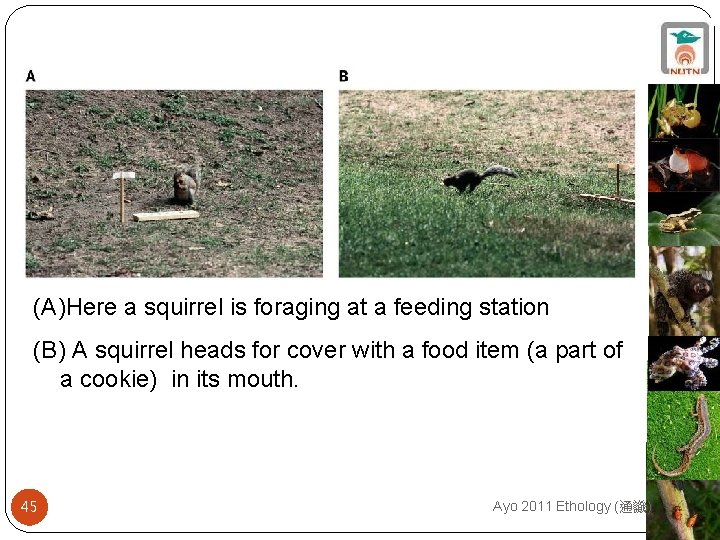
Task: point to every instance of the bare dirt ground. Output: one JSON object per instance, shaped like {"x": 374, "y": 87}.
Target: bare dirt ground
{"x": 259, "y": 198}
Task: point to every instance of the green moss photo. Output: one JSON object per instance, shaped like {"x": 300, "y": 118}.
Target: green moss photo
{"x": 487, "y": 183}
{"x": 678, "y": 420}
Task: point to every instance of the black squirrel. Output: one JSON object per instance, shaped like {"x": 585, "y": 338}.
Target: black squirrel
{"x": 471, "y": 178}
{"x": 185, "y": 182}
{"x": 689, "y": 288}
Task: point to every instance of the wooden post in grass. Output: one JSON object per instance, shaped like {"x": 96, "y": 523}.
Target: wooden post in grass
{"x": 617, "y": 181}
{"x": 122, "y": 176}
{"x": 617, "y": 167}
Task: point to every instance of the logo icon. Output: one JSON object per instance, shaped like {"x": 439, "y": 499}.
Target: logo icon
{"x": 685, "y": 48}
{"x": 685, "y": 37}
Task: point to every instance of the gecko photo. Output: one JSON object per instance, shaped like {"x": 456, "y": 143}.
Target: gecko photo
{"x": 171, "y": 183}
{"x": 683, "y": 363}
{"x": 487, "y": 183}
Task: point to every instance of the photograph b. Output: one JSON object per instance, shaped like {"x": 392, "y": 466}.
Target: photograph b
{"x": 487, "y": 183}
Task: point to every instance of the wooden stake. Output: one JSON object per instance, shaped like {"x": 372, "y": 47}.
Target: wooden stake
{"x": 122, "y": 199}
{"x": 618, "y": 167}
{"x": 122, "y": 176}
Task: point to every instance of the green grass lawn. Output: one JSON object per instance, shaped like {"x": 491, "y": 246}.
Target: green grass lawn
{"x": 397, "y": 219}
{"x": 671, "y": 424}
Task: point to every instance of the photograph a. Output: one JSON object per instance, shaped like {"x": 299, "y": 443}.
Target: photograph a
{"x": 172, "y": 183}
{"x": 487, "y": 183}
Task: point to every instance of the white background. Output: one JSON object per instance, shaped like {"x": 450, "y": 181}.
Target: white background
{"x": 378, "y": 445}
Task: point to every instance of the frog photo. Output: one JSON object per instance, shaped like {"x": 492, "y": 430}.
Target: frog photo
{"x": 677, "y": 223}
{"x": 684, "y": 219}
{"x": 674, "y": 114}
{"x": 683, "y": 111}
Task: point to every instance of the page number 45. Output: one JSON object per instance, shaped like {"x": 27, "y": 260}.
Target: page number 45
{"x": 29, "y": 506}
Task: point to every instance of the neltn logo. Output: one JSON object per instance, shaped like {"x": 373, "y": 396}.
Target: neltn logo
{"x": 685, "y": 48}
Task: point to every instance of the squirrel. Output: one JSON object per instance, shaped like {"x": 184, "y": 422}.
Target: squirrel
{"x": 185, "y": 181}
{"x": 471, "y": 178}
{"x": 689, "y": 288}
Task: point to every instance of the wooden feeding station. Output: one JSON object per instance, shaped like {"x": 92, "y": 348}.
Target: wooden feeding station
{"x": 617, "y": 167}
{"x": 148, "y": 216}
{"x": 164, "y": 216}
